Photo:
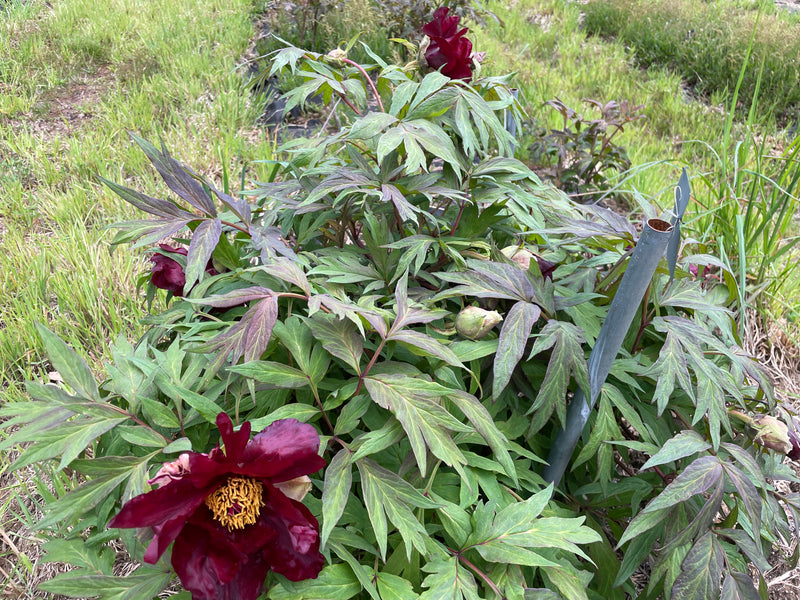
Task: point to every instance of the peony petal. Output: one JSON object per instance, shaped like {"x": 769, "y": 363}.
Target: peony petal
{"x": 249, "y": 540}
{"x": 203, "y": 564}
{"x": 164, "y": 535}
{"x": 248, "y": 581}
{"x": 228, "y": 565}
{"x": 441, "y": 25}
{"x": 176, "y": 500}
{"x": 296, "y": 488}
{"x": 284, "y": 450}
{"x": 295, "y": 553}
{"x": 459, "y": 64}
{"x": 167, "y": 274}
{"x": 168, "y": 248}
{"x": 235, "y": 441}
{"x": 434, "y": 56}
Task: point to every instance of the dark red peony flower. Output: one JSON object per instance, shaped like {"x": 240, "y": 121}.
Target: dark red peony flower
{"x": 546, "y": 267}
{"x": 234, "y": 514}
{"x": 794, "y": 440}
{"x": 167, "y": 273}
{"x": 448, "y": 49}
{"x": 442, "y": 25}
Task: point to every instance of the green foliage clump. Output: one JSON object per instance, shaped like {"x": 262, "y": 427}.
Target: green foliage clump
{"x": 333, "y": 299}
{"x": 707, "y": 44}
{"x": 580, "y": 157}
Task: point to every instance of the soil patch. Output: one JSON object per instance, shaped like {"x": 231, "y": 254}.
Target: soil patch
{"x": 62, "y": 111}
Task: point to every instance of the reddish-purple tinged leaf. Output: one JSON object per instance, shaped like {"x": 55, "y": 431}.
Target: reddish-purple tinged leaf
{"x": 235, "y": 297}
{"x": 154, "y": 206}
{"x": 514, "y": 336}
{"x": 177, "y": 177}
{"x": 204, "y": 240}
{"x": 263, "y": 317}
{"x": 701, "y": 570}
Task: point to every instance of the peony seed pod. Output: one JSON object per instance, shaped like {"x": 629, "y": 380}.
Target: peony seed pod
{"x": 474, "y": 322}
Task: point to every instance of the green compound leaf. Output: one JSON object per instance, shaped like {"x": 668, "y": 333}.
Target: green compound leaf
{"x": 335, "y": 492}
{"x": 386, "y": 494}
{"x": 695, "y": 479}
{"x": 510, "y": 534}
{"x": 334, "y": 582}
{"x": 416, "y": 403}
{"x": 566, "y": 580}
{"x": 363, "y": 574}
{"x": 426, "y": 344}
{"x": 77, "y": 553}
{"x": 301, "y": 412}
{"x": 76, "y": 502}
{"x": 144, "y": 582}
{"x": 68, "y": 440}
{"x": 273, "y": 373}
{"x": 392, "y": 587}
{"x": 669, "y": 368}
{"x": 339, "y": 337}
{"x": 701, "y": 570}
{"x": 448, "y": 580}
{"x": 684, "y": 444}
{"x": 207, "y": 408}
{"x": 72, "y": 368}
{"x": 480, "y": 418}
{"x": 370, "y": 125}
{"x": 567, "y": 357}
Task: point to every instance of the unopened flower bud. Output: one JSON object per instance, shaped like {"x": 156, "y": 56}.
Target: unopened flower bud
{"x": 474, "y": 322}
{"x": 522, "y": 257}
{"x": 772, "y": 433}
{"x": 335, "y": 56}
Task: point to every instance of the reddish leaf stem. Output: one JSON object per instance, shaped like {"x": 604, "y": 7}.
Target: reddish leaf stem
{"x": 482, "y": 575}
{"x": 369, "y": 81}
{"x": 235, "y": 226}
{"x": 350, "y": 104}
{"x": 369, "y": 366}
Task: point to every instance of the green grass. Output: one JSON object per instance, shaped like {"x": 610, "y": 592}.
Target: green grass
{"x": 82, "y": 74}
{"x": 707, "y": 43}
{"x": 554, "y": 56}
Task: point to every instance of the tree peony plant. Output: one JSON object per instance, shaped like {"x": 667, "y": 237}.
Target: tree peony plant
{"x": 424, "y": 450}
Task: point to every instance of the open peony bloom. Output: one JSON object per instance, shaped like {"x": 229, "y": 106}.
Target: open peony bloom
{"x": 234, "y": 514}
{"x": 168, "y": 274}
{"x": 448, "y": 49}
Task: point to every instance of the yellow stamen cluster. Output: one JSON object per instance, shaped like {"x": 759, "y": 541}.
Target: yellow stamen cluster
{"x": 237, "y": 502}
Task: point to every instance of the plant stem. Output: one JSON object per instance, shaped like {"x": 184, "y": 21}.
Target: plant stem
{"x": 350, "y": 104}
{"x": 369, "y": 366}
{"x": 369, "y": 81}
{"x": 235, "y": 226}
{"x": 482, "y": 575}
{"x": 458, "y": 217}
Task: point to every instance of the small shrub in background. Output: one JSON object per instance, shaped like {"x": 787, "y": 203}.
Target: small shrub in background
{"x": 582, "y": 156}
{"x": 362, "y": 291}
{"x": 707, "y": 43}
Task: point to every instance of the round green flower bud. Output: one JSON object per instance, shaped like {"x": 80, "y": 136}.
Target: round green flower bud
{"x": 474, "y": 322}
